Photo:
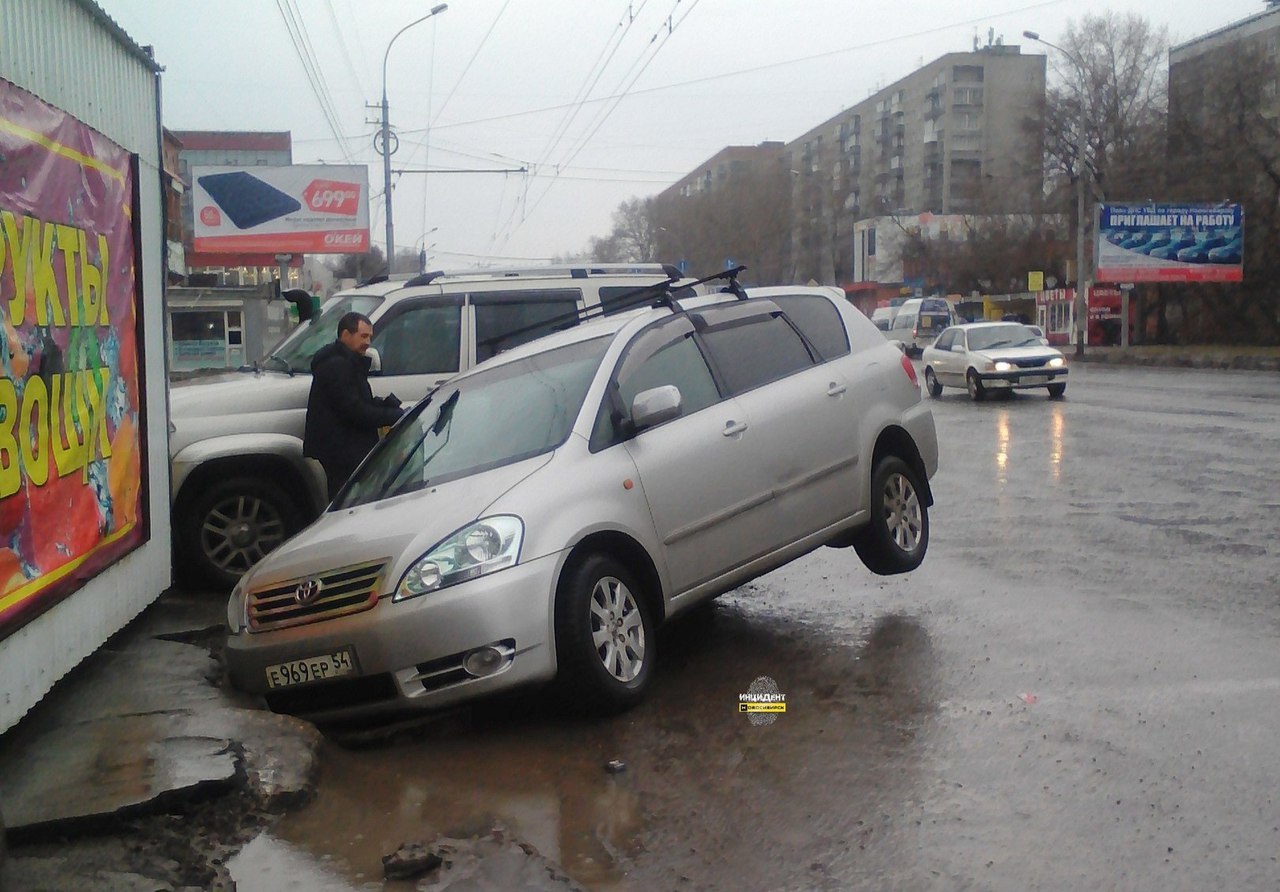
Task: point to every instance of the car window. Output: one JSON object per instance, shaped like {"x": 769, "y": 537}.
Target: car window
{"x": 904, "y": 321}
{"x": 421, "y": 337}
{"x": 619, "y": 298}
{"x": 818, "y": 320}
{"x": 506, "y": 319}
{"x": 667, "y": 354}
{"x": 752, "y": 351}
{"x": 482, "y": 421}
{"x": 295, "y": 350}
{"x": 1012, "y": 335}
{"x": 946, "y": 339}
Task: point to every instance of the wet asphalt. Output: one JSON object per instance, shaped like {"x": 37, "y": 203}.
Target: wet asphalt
{"x": 1079, "y": 689}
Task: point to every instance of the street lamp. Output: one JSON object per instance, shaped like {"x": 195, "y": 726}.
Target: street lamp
{"x": 1081, "y": 303}
{"x": 384, "y": 137}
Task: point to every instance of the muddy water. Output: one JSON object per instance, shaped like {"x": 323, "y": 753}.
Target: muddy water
{"x": 705, "y": 793}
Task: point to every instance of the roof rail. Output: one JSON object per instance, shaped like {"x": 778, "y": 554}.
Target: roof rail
{"x": 583, "y": 270}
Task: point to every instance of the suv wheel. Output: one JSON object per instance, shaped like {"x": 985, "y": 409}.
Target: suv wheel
{"x": 898, "y": 535}
{"x": 231, "y": 526}
{"x": 604, "y": 637}
{"x": 932, "y": 383}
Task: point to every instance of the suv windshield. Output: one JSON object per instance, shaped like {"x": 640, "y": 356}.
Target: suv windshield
{"x": 294, "y": 352}
{"x": 497, "y": 417}
{"x": 1002, "y": 336}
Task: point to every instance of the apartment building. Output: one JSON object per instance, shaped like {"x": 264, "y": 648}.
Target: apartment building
{"x": 961, "y": 135}
{"x": 1209, "y": 73}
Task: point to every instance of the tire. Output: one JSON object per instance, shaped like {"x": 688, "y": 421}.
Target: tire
{"x": 1056, "y": 390}
{"x": 225, "y": 530}
{"x": 974, "y": 383}
{"x": 605, "y": 644}
{"x": 897, "y": 537}
{"x": 932, "y": 383}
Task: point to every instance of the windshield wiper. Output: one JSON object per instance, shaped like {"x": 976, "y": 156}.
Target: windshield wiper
{"x": 280, "y": 359}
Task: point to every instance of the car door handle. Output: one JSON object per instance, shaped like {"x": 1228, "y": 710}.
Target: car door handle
{"x": 835, "y": 389}
{"x": 733, "y": 428}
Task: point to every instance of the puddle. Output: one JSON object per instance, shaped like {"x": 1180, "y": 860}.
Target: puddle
{"x": 700, "y": 781}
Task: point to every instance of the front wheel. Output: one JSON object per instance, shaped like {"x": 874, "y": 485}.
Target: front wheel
{"x": 1056, "y": 390}
{"x": 897, "y": 537}
{"x": 229, "y": 527}
{"x": 932, "y": 383}
{"x": 974, "y": 383}
{"x": 605, "y": 645}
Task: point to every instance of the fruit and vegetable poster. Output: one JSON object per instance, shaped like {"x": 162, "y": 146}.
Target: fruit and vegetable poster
{"x": 71, "y": 463}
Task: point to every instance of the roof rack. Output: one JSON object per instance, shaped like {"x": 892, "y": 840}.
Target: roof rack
{"x": 572, "y": 271}
{"x": 659, "y": 294}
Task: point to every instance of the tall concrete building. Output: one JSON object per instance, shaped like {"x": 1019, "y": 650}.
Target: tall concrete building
{"x": 1200, "y": 68}
{"x": 961, "y": 135}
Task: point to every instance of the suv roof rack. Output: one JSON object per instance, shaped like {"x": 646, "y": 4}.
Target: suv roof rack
{"x": 660, "y": 294}
{"x": 573, "y": 271}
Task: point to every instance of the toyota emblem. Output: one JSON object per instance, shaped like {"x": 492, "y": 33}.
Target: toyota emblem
{"x": 307, "y": 591}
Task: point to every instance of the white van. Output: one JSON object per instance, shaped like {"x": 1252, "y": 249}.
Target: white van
{"x": 240, "y": 483}
{"x": 919, "y": 322}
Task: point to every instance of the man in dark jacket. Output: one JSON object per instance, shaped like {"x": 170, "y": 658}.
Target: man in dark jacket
{"x": 343, "y": 415}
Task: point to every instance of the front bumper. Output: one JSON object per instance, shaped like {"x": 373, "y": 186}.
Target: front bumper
{"x": 409, "y": 655}
{"x": 1019, "y": 379}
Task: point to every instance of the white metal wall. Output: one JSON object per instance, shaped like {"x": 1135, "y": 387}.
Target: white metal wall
{"x": 71, "y": 55}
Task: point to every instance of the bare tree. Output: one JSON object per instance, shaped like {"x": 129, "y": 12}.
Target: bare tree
{"x": 1113, "y": 85}
{"x": 358, "y": 266}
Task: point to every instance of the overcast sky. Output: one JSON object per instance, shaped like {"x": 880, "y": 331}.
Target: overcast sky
{"x": 491, "y": 84}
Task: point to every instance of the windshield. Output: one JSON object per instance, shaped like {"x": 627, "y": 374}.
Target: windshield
{"x": 294, "y": 352}
{"x": 483, "y": 421}
{"x": 1002, "y": 336}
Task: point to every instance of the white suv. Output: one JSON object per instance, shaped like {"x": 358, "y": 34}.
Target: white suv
{"x": 241, "y": 485}
{"x": 539, "y": 516}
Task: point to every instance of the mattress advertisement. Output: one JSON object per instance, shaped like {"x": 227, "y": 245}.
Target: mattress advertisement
{"x": 71, "y": 422}
{"x": 1170, "y": 243}
{"x": 296, "y": 209}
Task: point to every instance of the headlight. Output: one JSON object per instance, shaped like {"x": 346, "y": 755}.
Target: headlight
{"x": 237, "y": 619}
{"x": 485, "y": 546}
{"x": 1056, "y": 362}
{"x": 1003, "y": 366}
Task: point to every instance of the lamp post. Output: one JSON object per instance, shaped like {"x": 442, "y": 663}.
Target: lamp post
{"x": 1081, "y": 301}
{"x": 384, "y": 137}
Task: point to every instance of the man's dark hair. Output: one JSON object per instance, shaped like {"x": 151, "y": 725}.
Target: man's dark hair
{"x": 351, "y": 322}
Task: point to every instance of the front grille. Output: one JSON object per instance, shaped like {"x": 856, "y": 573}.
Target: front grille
{"x": 337, "y": 694}
{"x": 1033, "y": 363}
{"x": 343, "y": 591}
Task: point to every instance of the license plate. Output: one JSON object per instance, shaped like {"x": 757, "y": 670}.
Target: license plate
{"x": 318, "y": 668}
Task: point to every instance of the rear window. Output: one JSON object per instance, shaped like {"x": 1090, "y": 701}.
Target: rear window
{"x": 819, "y": 321}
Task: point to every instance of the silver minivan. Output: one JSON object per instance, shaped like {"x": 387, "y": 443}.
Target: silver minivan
{"x": 240, "y": 483}
{"x": 538, "y": 517}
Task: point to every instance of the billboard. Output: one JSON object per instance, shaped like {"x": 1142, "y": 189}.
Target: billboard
{"x": 298, "y": 209}
{"x": 71, "y": 419}
{"x": 1170, "y": 243}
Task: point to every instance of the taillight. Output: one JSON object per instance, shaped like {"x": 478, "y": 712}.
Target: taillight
{"x": 910, "y": 370}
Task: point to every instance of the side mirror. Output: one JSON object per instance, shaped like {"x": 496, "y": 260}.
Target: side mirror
{"x": 375, "y": 361}
{"x": 957, "y": 347}
{"x": 654, "y": 406}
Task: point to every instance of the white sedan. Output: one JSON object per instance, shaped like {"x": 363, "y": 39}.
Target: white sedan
{"x": 993, "y": 356}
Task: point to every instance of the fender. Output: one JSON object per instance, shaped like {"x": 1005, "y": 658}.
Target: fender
{"x": 283, "y": 446}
